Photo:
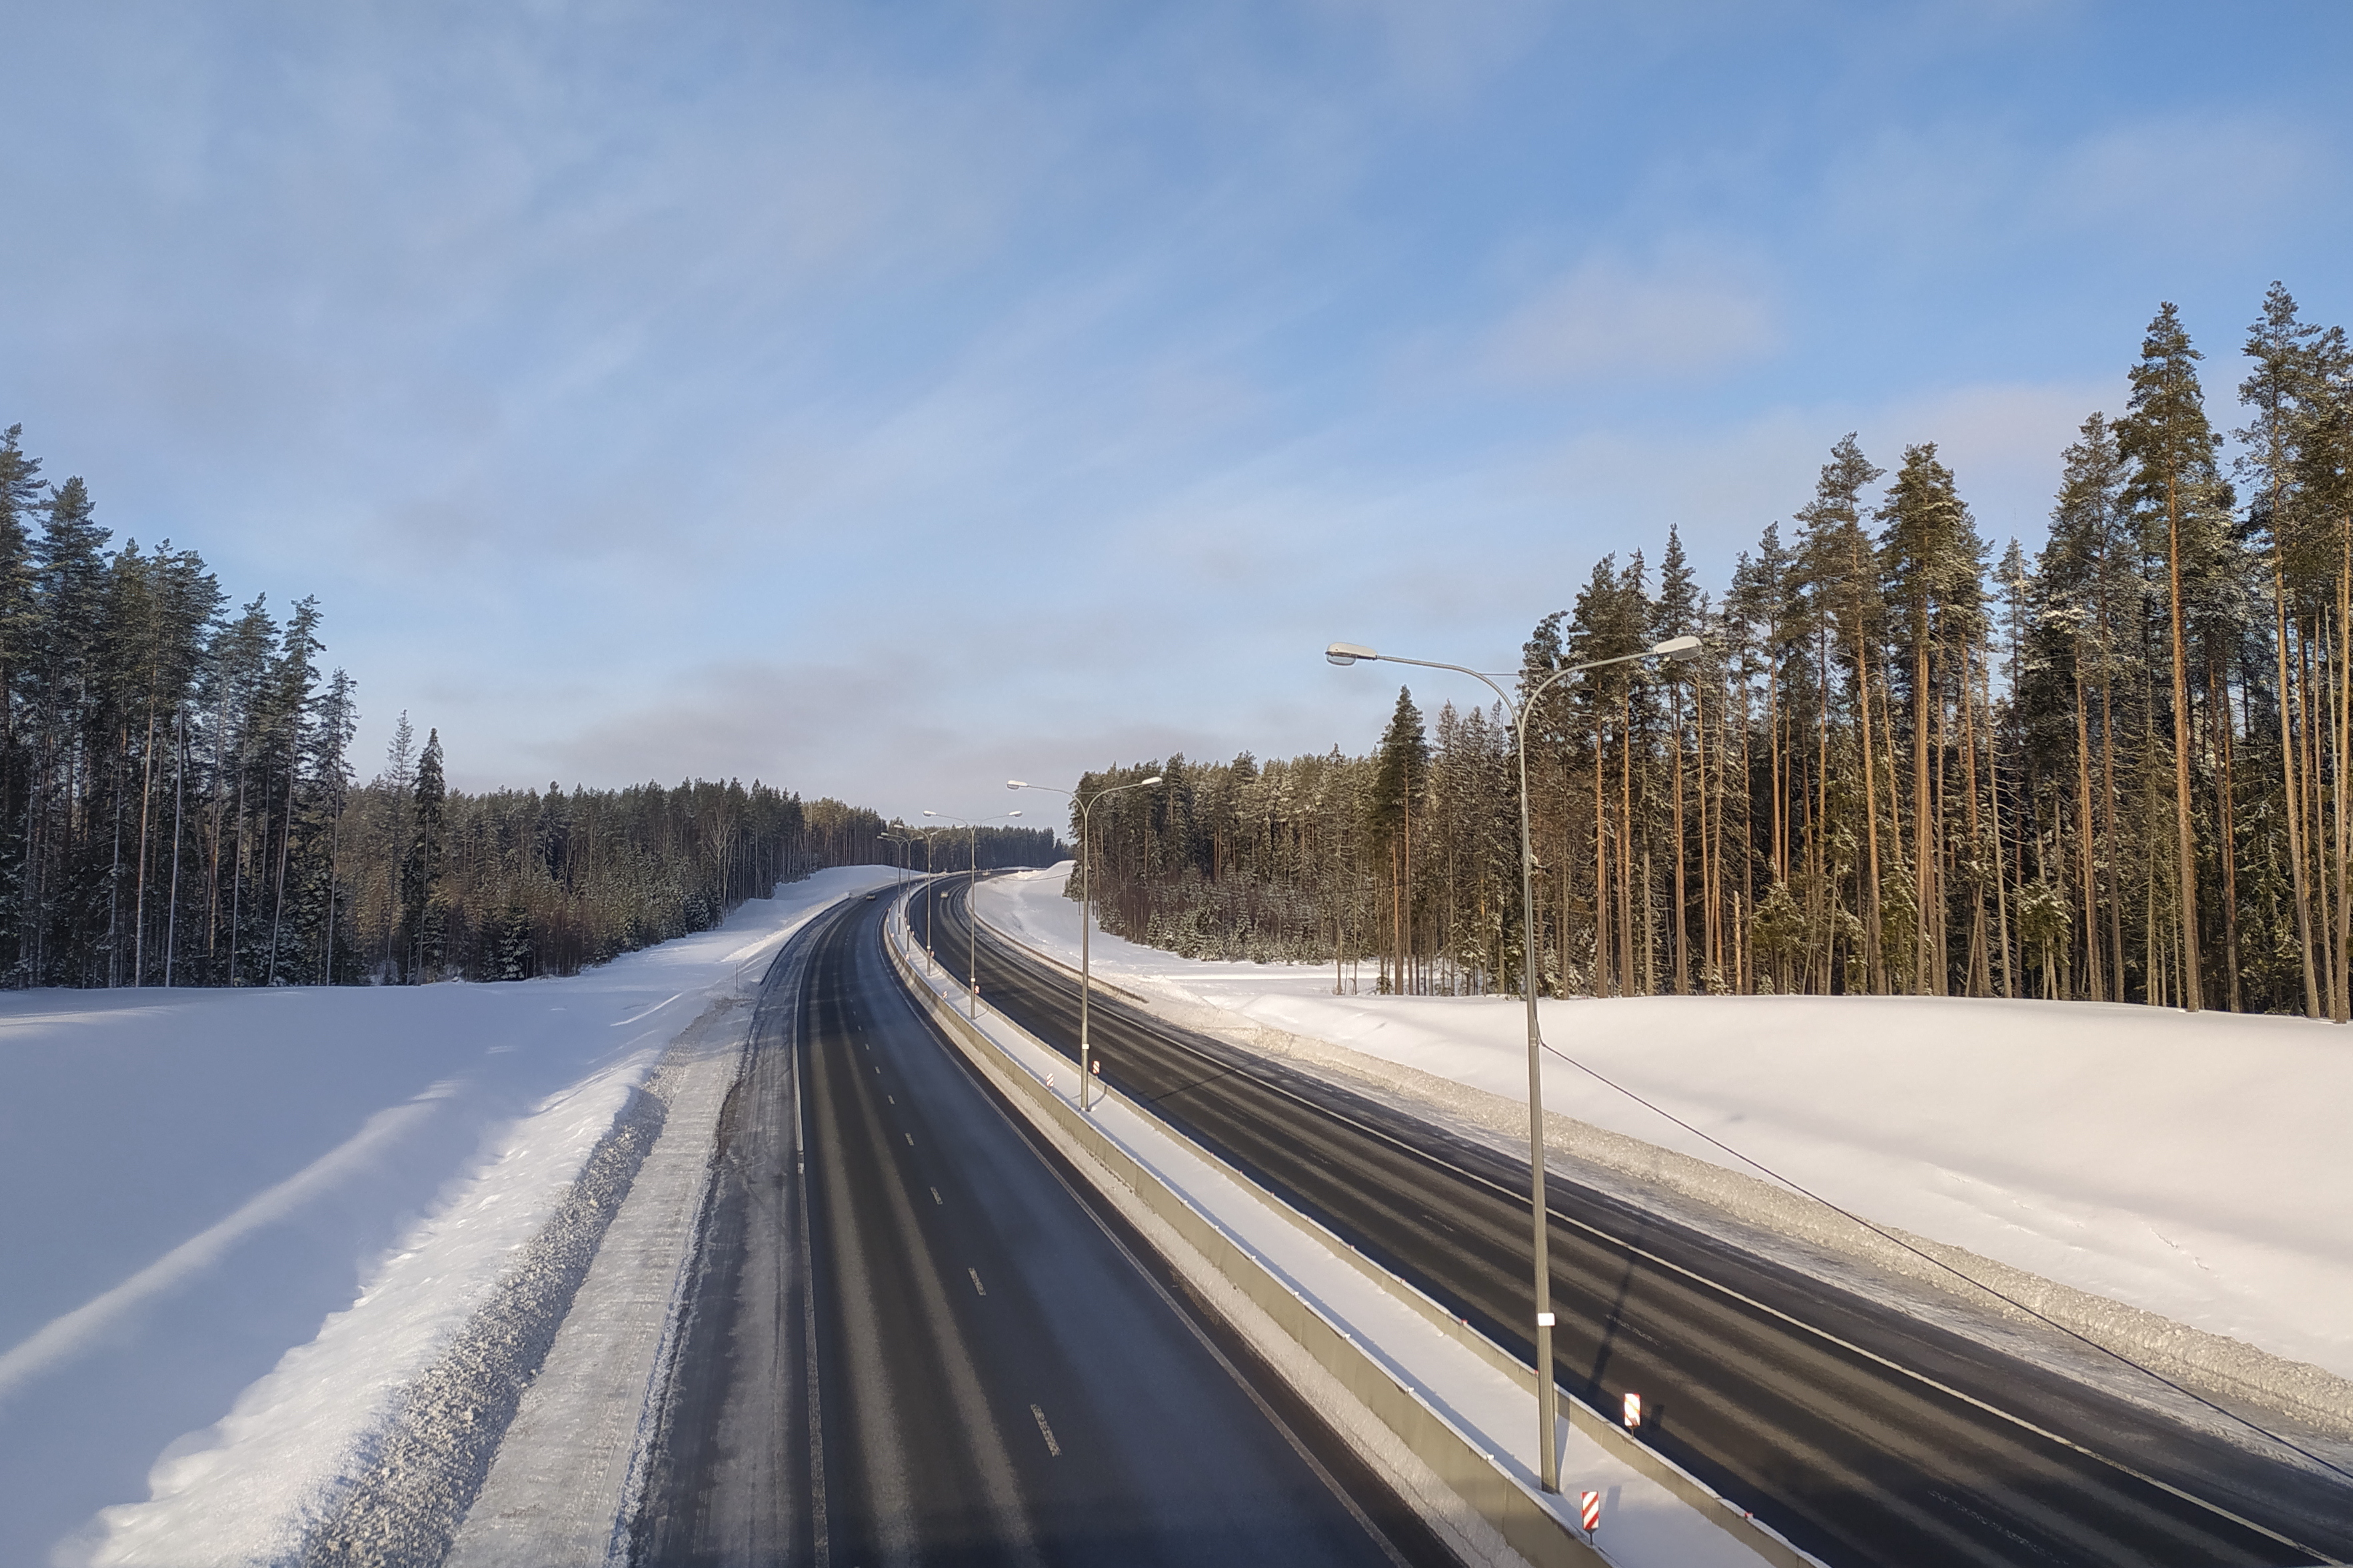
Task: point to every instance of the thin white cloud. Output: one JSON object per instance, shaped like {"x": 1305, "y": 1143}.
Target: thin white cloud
{"x": 2003, "y": 442}
{"x": 1721, "y": 484}
{"x": 581, "y": 360}
{"x": 1689, "y": 316}
{"x": 1952, "y": 193}
{"x": 1440, "y": 53}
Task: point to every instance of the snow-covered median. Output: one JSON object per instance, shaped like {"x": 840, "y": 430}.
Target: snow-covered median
{"x": 2191, "y": 1166}
{"x": 199, "y": 1180}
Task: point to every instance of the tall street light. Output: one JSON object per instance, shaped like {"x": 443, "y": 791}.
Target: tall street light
{"x": 906, "y": 842}
{"x": 930, "y": 896}
{"x": 1675, "y": 649}
{"x": 1086, "y": 805}
{"x": 971, "y": 918}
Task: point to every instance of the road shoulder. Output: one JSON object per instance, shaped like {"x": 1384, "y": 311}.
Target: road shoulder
{"x": 561, "y": 1480}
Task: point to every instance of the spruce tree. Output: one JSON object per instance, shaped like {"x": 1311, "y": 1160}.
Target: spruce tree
{"x": 421, "y": 912}
{"x": 328, "y": 751}
{"x": 1401, "y": 773}
{"x": 1678, "y": 613}
{"x": 20, "y": 496}
{"x": 67, "y": 885}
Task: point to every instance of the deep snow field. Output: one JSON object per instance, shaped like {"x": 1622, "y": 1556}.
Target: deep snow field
{"x": 232, "y": 1221}
{"x": 2198, "y": 1166}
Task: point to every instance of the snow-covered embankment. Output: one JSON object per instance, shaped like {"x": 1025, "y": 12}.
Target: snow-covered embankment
{"x": 200, "y": 1180}
{"x": 2172, "y": 1184}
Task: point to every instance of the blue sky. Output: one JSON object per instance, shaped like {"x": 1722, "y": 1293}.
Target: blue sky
{"x": 883, "y": 400}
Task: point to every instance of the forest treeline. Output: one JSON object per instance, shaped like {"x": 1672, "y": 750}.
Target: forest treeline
{"x": 2115, "y": 770}
{"x": 178, "y": 804}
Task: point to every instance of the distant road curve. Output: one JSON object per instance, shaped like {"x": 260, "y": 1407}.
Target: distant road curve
{"x": 1775, "y": 1388}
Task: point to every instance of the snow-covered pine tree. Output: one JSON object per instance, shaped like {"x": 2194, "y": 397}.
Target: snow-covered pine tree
{"x": 1933, "y": 563}
{"x": 2177, "y": 491}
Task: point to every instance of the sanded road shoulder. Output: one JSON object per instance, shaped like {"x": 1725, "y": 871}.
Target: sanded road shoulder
{"x": 557, "y": 1485}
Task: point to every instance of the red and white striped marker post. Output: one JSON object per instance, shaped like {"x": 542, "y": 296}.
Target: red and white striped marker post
{"x": 1633, "y": 1411}
{"x": 1589, "y": 1513}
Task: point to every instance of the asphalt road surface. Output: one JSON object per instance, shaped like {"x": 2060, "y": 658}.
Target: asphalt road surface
{"x": 1865, "y": 1437}
{"x": 914, "y": 1342}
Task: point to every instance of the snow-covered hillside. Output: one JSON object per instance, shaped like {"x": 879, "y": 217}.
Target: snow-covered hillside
{"x": 236, "y": 1220}
{"x": 2195, "y": 1166}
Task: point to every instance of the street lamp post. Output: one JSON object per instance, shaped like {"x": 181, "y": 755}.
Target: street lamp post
{"x": 1086, "y": 809}
{"x": 931, "y": 895}
{"x": 971, "y": 918}
{"x": 1677, "y": 648}
{"x": 906, "y": 843}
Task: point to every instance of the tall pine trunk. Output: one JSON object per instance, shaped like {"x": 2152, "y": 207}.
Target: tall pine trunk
{"x": 2342, "y": 654}
{"x": 2095, "y": 983}
{"x": 1873, "y": 945}
{"x": 2291, "y": 794}
{"x": 1681, "y": 929}
{"x": 2226, "y": 829}
{"x": 146, "y": 796}
{"x": 179, "y": 798}
{"x": 2186, "y": 898}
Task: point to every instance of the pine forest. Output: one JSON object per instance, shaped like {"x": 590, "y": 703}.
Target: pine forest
{"x": 2115, "y": 769}
{"x": 178, "y": 804}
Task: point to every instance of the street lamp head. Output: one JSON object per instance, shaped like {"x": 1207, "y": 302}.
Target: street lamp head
{"x": 1348, "y": 653}
{"x": 931, "y": 814}
{"x": 1153, "y": 780}
{"x": 1012, "y": 813}
{"x": 1682, "y": 650}
{"x": 1017, "y": 784}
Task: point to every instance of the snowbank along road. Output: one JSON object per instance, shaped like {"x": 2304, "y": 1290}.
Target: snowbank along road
{"x": 912, "y": 1338}
{"x": 1865, "y": 1437}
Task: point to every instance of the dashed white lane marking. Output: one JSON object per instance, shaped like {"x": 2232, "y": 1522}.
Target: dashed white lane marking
{"x": 909, "y": 1138}
{"x": 979, "y": 1288}
{"x": 892, "y": 1098}
{"x": 937, "y": 1198}
{"x": 1046, "y": 1432}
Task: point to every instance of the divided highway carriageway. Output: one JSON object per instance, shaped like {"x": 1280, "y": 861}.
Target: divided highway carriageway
{"x": 914, "y": 1338}
{"x": 1865, "y": 1436}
